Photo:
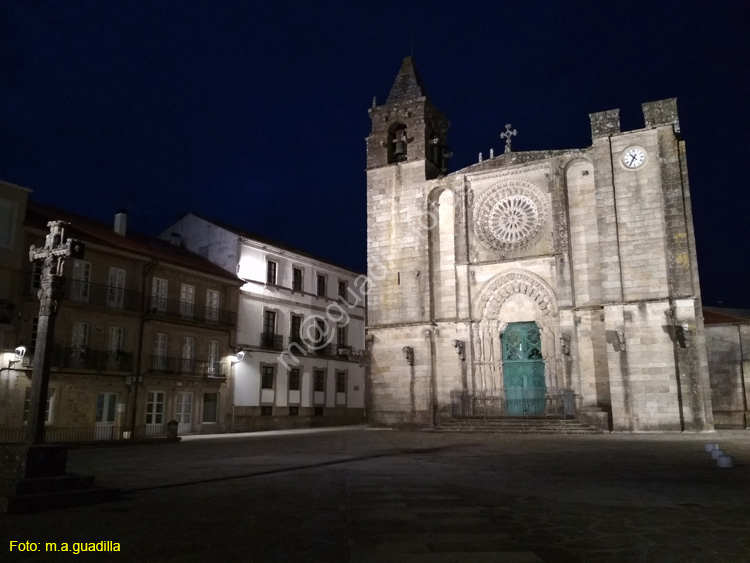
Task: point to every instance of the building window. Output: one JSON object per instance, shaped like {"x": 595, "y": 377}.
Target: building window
{"x": 212, "y": 305}
{"x": 187, "y": 300}
{"x": 158, "y": 295}
{"x": 155, "y": 407}
{"x": 27, "y": 403}
{"x": 7, "y": 222}
{"x": 80, "y": 336}
{"x": 79, "y": 343}
{"x": 160, "y": 353}
{"x": 266, "y": 377}
{"x": 271, "y": 273}
{"x": 114, "y": 347}
{"x": 318, "y": 411}
{"x": 295, "y": 336}
{"x": 294, "y": 379}
{"x": 116, "y": 288}
{"x": 34, "y": 334}
{"x": 214, "y": 366}
{"x": 322, "y": 329}
{"x": 188, "y": 355}
{"x": 106, "y": 407}
{"x": 293, "y": 411}
{"x": 319, "y": 380}
{"x": 321, "y": 288}
{"x": 342, "y": 290}
{"x": 81, "y": 281}
{"x": 36, "y": 276}
{"x": 340, "y": 338}
{"x": 268, "y": 336}
{"x": 210, "y": 407}
{"x": 297, "y": 279}
{"x": 266, "y": 411}
{"x": 340, "y": 382}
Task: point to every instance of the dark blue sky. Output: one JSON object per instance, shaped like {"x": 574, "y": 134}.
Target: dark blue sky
{"x": 255, "y": 113}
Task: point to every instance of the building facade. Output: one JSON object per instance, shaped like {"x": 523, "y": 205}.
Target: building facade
{"x": 143, "y": 336}
{"x": 533, "y": 274}
{"x": 300, "y": 329}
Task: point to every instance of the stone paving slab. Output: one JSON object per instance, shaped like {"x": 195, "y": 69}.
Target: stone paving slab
{"x": 364, "y": 495}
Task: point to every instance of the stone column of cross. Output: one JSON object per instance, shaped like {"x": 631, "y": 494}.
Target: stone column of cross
{"x": 508, "y": 135}
{"x": 52, "y": 258}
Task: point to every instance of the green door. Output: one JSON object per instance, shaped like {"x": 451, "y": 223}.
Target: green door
{"x": 523, "y": 370}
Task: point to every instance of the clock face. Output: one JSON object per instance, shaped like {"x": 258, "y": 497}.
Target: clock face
{"x": 634, "y": 157}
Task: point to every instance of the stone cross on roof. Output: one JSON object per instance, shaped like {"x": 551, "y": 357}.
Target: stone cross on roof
{"x": 508, "y": 135}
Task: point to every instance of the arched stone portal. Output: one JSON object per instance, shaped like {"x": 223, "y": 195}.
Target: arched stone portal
{"x": 515, "y": 296}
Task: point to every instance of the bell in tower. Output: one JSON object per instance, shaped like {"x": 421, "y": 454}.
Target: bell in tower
{"x": 399, "y": 142}
{"x": 408, "y": 128}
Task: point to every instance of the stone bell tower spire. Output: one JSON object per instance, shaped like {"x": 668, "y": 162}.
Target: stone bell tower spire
{"x": 408, "y": 128}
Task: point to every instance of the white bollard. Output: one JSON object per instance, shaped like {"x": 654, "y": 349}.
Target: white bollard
{"x": 724, "y": 461}
{"x": 711, "y": 447}
{"x": 717, "y": 453}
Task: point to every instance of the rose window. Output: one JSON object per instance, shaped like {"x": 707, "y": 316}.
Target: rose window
{"x": 513, "y": 219}
{"x": 510, "y": 215}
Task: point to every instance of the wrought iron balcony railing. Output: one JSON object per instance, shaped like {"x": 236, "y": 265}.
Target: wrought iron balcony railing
{"x": 514, "y": 401}
{"x": 169, "y": 365}
{"x": 86, "y": 358}
{"x": 271, "y": 341}
{"x": 93, "y": 294}
{"x": 175, "y": 308}
{"x": 99, "y": 295}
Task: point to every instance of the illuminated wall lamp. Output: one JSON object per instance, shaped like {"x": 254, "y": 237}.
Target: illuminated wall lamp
{"x": 239, "y": 357}
{"x": 20, "y": 352}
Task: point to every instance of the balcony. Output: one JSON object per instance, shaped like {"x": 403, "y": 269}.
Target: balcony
{"x": 168, "y": 365}
{"x": 271, "y": 341}
{"x": 93, "y": 294}
{"x": 322, "y": 350}
{"x": 176, "y": 309}
{"x": 86, "y": 358}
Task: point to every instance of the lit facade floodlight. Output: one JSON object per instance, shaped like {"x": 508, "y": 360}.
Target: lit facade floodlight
{"x": 20, "y": 352}
{"x": 238, "y": 357}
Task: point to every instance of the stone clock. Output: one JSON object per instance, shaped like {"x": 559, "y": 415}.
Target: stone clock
{"x": 633, "y": 158}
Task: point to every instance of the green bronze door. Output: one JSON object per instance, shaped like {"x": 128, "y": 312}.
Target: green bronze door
{"x": 523, "y": 370}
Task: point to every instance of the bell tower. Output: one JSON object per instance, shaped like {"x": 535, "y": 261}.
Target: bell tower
{"x": 408, "y": 128}
{"x": 406, "y": 159}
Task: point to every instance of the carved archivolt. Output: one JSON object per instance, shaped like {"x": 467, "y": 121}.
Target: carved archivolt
{"x": 510, "y": 215}
{"x": 501, "y": 287}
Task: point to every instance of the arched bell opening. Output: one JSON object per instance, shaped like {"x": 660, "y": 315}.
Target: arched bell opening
{"x": 397, "y": 143}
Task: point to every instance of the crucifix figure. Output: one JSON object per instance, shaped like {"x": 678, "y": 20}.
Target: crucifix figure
{"x": 52, "y": 258}
{"x": 508, "y": 135}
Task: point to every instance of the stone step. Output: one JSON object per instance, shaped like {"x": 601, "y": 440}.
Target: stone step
{"x": 517, "y": 425}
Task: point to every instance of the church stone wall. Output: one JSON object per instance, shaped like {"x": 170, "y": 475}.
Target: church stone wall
{"x": 597, "y": 249}
{"x": 400, "y": 394}
{"x": 729, "y": 368}
{"x": 397, "y": 234}
{"x": 584, "y": 234}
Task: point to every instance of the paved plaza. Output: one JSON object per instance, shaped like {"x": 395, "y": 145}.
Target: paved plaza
{"x": 364, "y": 495}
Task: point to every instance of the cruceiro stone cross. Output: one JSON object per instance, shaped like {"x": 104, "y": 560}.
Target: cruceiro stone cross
{"x": 52, "y": 258}
{"x": 508, "y": 135}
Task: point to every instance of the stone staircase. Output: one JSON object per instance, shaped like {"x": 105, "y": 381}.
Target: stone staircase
{"x": 516, "y": 425}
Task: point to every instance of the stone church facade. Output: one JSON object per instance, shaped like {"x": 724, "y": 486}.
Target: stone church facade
{"x": 532, "y": 275}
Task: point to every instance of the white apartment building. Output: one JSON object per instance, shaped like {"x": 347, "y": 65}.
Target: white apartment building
{"x": 300, "y": 330}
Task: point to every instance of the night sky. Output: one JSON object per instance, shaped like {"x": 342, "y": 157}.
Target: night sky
{"x": 255, "y": 113}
